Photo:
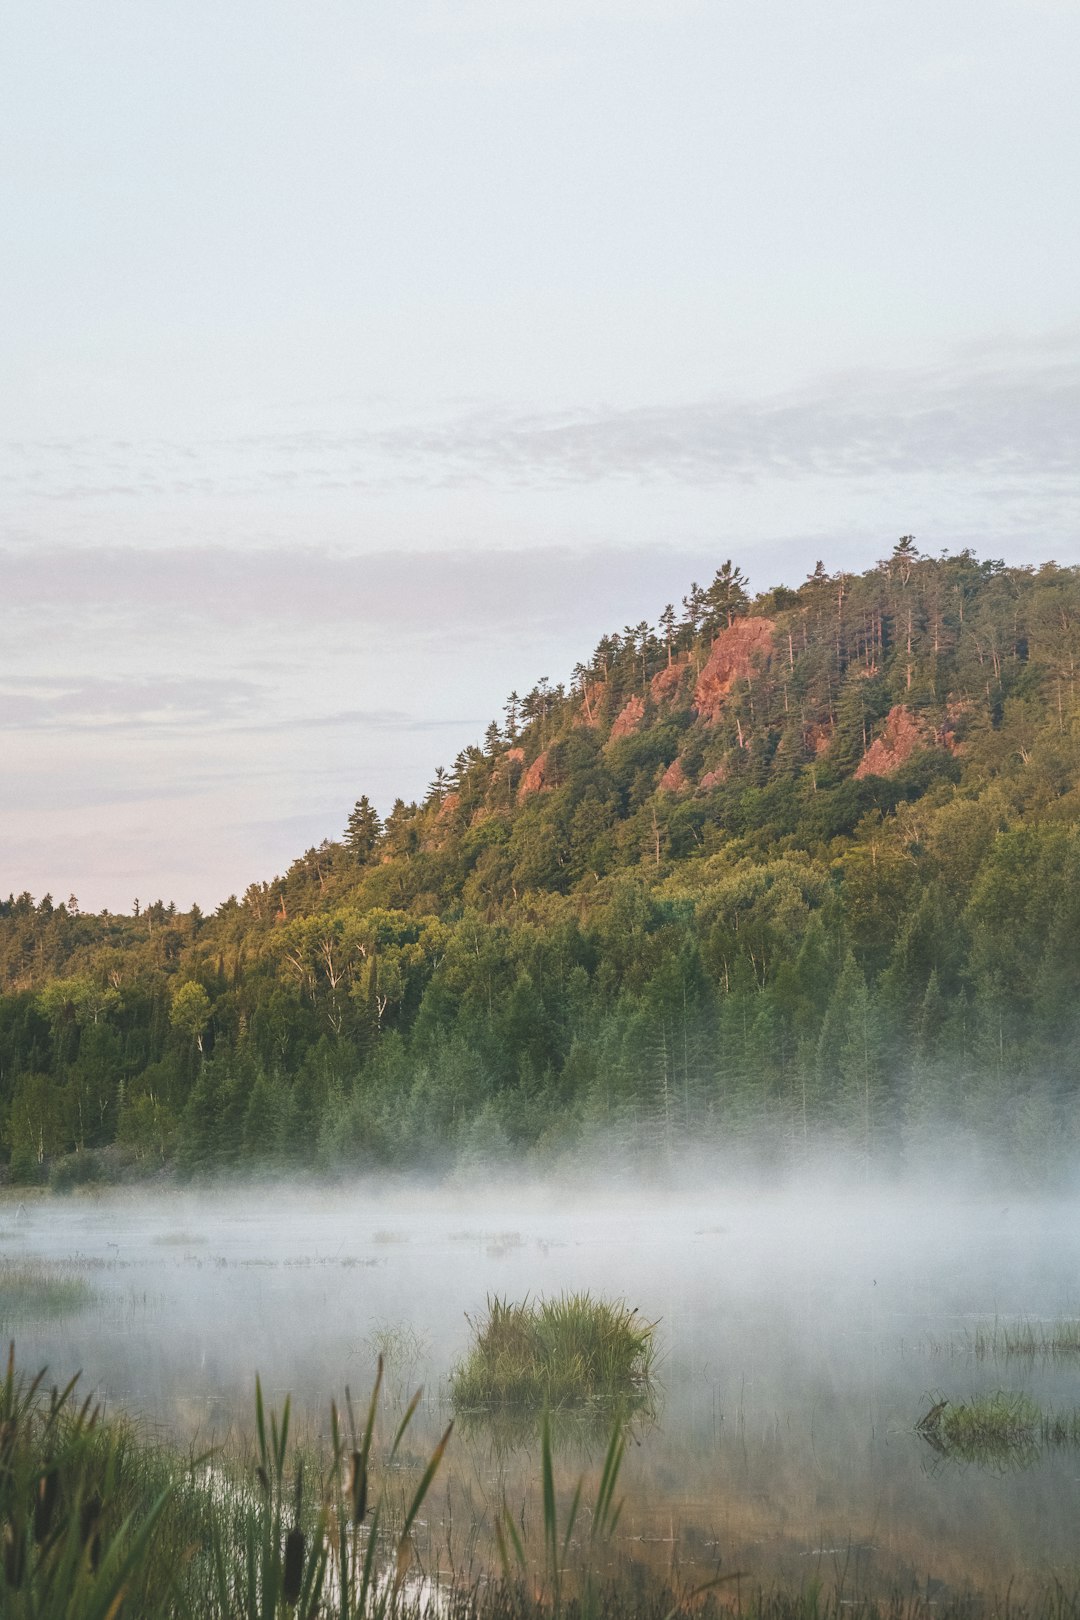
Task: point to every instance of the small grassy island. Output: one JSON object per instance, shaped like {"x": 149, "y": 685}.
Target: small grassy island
{"x": 569, "y": 1351}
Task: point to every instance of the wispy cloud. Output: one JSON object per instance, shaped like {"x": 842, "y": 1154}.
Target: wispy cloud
{"x": 31, "y": 703}
{"x": 392, "y": 594}
{"x": 1008, "y": 411}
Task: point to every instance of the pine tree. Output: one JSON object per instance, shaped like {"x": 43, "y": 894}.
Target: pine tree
{"x": 363, "y": 830}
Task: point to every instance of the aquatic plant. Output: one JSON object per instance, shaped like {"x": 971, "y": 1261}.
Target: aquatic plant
{"x": 96, "y": 1522}
{"x": 570, "y": 1350}
{"x": 36, "y": 1290}
{"x": 1048, "y": 1340}
{"x": 79, "y": 1508}
{"x": 999, "y": 1428}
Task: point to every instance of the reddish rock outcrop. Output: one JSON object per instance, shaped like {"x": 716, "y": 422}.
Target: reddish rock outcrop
{"x": 736, "y": 652}
{"x": 449, "y": 805}
{"x": 956, "y": 717}
{"x": 592, "y": 703}
{"x": 713, "y": 779}
{"x": 629, "y": 718}
{"x": 904, "y": 732}
{"x": 537, "y": 778}
{"x": 818, "y": 737}
{"x": 665, "y": 685}
{"x": 674, "y": 778}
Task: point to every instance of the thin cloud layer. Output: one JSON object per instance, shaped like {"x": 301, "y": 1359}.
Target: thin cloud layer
{"x": 1007, "y": 413}
{"x": 431, "y": 595}
{"x": 29, "y": 703}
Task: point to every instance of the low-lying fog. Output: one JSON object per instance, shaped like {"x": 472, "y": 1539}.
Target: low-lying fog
{"x": 802, "y": 1337}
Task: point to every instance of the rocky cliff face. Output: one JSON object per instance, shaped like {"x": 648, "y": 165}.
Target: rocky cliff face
{"x": 904, "y": 733}
{"x": 674, "y": 779}
{"x": 666, "y": 686}
{"x": 735, "y": 654}
{"x": 537, "y": 778}
{"x": 629, "y": 718}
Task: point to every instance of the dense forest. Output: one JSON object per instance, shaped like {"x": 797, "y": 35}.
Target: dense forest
{"x": 774, "y": 872}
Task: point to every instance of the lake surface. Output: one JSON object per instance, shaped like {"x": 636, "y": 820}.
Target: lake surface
{"x": 802, "y": 1337}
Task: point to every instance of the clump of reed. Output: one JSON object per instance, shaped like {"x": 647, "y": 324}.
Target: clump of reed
{"x": 999, "y": 1428}
{"x": 32, "y": 1291}
{"x": 1018, "y": 1339}
{"x": 321, "y": 1551}
{"x": 572, "y": 1350}
{"x": 97, "y": 1523}
{"x": 1050, "y": 1341}
{"x": 81, "y": 1508}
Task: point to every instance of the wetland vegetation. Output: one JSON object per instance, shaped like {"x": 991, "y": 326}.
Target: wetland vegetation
{"x": 1003, "y": 1427}
{"x": 772, "y": 1447}
{"x": 31, "y": 1290}
{"x": 570, "y": 1350}
{"x": 772, "y": 913}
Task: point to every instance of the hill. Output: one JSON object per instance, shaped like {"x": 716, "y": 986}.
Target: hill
{"x": 776, "y": 870}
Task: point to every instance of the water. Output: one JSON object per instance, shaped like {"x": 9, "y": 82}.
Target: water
{"x": 802, "y": 1337}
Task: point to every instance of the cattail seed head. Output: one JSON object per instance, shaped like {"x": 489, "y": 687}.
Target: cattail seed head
{"x": 358, "y": 1486}
{"x": 89, "y": 1519}
{"x": 48, "y": 1492}
{"x": 14, "y": 1556}
{"x": 292, "y": 1576}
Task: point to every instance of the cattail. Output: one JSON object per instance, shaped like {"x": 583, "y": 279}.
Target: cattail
{"x": 358, "y": 1486}
{"x": 89, "y": 1518}
{"x": 48, "y": 1492}
{"x": 293, "y": 1573}
{"x": 14, "y": 1556}
{"x": 264, "y": 1480}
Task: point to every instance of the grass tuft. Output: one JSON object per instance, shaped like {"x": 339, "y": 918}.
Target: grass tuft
{"x": 997, "y": 1429}
{"x": 569, "y": 1351}
{"x": 1050, "y": 1341}
{"x": 35, "y": 1292}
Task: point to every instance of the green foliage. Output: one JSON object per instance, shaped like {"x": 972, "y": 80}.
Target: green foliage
{"x": 572, "y": 1350}
{"x": 623, "y": 914}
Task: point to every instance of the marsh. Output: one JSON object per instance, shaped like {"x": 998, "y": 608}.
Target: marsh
{"x": 801, "y": 1337}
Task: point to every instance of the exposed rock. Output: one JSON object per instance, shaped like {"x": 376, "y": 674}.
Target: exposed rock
{"x": 957, "y": 713}
{"x": 592, "y": 703}
{"x": 629, "y": 718}
{"x": 674, "y": 778}
{"x": 904, "y": 732}
{"x": 713, "y": 779}
{"x": 664, "y": 686}
{"x": 449, "y": 805}
{"x": 818, "y": 737}
{"x": 536, "y": 779}
{"x": 507, "y": 764}
{"x": 735, "y": 653}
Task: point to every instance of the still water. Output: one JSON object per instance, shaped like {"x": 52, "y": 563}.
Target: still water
{"x": 801, "y": 1338}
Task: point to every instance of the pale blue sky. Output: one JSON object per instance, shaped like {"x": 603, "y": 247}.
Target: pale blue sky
{"x": 363, "y": 361}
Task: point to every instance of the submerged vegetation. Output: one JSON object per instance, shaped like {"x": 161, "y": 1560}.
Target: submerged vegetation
{"x": 568, "y": 1351}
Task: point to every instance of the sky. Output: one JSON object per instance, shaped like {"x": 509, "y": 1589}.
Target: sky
{"x": 361, "y": 362}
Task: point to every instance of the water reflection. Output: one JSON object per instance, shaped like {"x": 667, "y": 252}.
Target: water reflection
{"x": 801, "y": 1342}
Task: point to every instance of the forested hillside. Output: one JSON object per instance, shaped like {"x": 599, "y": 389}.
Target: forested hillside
{"x": 769, "y": 872}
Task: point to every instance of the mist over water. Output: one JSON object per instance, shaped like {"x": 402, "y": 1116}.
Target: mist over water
{"x": 802, "y": 1335}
